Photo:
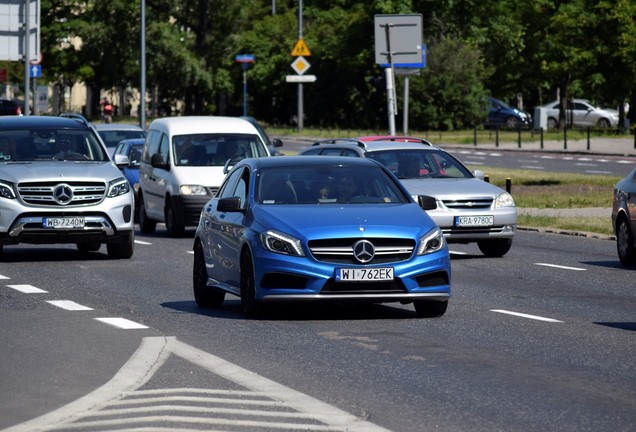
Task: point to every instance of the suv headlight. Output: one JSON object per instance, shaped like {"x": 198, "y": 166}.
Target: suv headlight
{"x": 504, "y": 200}
{"x": 193, "y": 190}
{"x": 6, "y": 191}
{"x": 432, "y": 241}
{"x": 277, "y": 242}
{"x": 117, "y": 187}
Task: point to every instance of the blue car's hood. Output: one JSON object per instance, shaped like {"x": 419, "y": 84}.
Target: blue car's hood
{"x": 314, "y": 221}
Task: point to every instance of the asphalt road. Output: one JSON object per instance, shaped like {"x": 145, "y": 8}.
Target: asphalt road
{"x": 542, "y": 339}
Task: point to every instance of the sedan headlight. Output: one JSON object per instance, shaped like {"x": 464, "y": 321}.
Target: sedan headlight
{"x": 504, "y": 200}
{"x": 432, "y": 241}
{"x": 277, "y": 242}
{"x": 6, "y": 191}
{"x": 193, "y": 190}
{"x": 117, "y": 187}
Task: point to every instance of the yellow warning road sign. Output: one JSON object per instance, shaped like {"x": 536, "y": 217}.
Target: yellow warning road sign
{"x": 300, "y": 49}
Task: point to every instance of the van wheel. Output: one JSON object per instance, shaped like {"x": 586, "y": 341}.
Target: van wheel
{"x": 123, "y": 250}
{"x": 173, "y": 227}
{"x": 146, "y": 225}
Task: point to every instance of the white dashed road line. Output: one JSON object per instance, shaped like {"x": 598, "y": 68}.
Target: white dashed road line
{"x": 141, "y": 242}
{"x": 122, "y": 323}
{"x": 522, "y": 315}
{"x": 27, "y": 289}
{"x": 69, "y": 305}
{"x": 560, "y": 267}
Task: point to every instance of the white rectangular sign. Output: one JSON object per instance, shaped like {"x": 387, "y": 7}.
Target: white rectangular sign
{"x": 12, "y": 30}
{"x": 300, "y": 78}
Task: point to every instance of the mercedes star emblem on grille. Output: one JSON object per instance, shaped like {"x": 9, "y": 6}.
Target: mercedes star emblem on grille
{"x": 63, "y": 194}
{"x": 363, "y": 250}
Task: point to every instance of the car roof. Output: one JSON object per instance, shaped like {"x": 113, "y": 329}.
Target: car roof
{"x": 396, "y": 138}
{"x": 203, "y": 124}
{"x": 282, "y": 162}
{"x": 362, "y": 146}
{"x": 23, "y": 122}
{"x": 116, "y": 126}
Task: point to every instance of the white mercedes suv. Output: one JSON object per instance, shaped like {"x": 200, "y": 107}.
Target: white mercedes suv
{"x": 59, "y": 185}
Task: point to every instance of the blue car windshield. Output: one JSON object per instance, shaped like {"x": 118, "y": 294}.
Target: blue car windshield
{"x": 327, "y": 185}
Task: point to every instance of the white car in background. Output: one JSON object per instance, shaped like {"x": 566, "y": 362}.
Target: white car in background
{"x": 580, "y": 112}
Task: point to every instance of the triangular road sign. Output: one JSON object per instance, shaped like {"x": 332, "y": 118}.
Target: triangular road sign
{"x": 300, "y": 49}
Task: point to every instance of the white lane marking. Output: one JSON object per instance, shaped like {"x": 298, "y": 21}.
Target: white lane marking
{"x": 457, "y": 252}
{"x": 585, "y": 164}
{"x": 548, "y": 157}
{"x": 68, "y": 305}
{"x": 4, "y": 277}
{"x": 532, "y": 167}
{"x": 150, "y": 357}
{"x": 27, "y": 289}
{"x": 522, "y": 315}
{"x": 141, "y": 242}
{"x": 598, "y": 172}
{"x": 190, "y": 252}
{"x": 474, "y": 163}
{"x": 560, "y": 267}
{"x": 122, "y": 323}
{"x": 625, "y": 162}
{"x": 471, "y": 157}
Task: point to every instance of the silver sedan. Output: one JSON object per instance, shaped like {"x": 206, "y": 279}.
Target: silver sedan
{"x": 624, "y": 218}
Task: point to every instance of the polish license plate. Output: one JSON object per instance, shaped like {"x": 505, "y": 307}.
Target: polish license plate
{"x": 474, "y": 221}
{"x": 63, "y": 222}
{"x": 364, "y": 275}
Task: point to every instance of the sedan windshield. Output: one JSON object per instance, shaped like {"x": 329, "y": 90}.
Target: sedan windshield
{"x": 50, "y": 144}
{"x": 327, "y": 185}
{"x": 412, "y": 164}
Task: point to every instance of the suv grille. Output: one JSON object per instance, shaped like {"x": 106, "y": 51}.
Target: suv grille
{"x": 340, "y": 251}
{"x": 58, "y": 194}
{"x": 479, "y": 203}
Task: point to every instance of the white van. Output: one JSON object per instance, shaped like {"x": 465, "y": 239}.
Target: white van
{"x": 182, "y": 166}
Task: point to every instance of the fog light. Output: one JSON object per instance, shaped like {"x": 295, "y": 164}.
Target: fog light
{"x": 127, "y": 213}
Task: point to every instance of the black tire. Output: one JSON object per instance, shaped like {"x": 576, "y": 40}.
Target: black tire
{"x": 88, "y": 246}
{"x": 625, "y": 242}
{"x": 204, "y": 295}
{"x": 603, "y": 123}
{"x": 512, "y": 123}
{"x": 146, "y": 225}
{"x": 122, "y": 250}
{"x": 430, "y": 308}
{"x": 251, "y": 307}
{"x": 495, "y": 247}
{"x": 172, "y": 225}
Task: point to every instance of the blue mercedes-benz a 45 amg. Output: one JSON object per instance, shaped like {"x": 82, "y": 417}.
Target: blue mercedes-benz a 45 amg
{"x": 316, "y": 228}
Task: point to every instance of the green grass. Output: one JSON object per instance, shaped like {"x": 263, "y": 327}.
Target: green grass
{"x": 551, "y": 190}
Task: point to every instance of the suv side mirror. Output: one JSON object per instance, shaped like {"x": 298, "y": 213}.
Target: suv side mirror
{"x": 122, "y": 161}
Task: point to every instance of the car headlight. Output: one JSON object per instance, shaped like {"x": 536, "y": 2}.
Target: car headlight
{"x": 432, "y": 241}
{"x": 193, "y": 190}
{"x": 117, "y": 187}
{"x": 6, "y": 191}
{"x": 277, "y": 242}
{"x": 504, "y": 200}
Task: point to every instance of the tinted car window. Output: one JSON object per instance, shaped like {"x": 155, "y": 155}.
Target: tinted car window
{"x": 50, "y": 144}
{"x": 215, "y": 149}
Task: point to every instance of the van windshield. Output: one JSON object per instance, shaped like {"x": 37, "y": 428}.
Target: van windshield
{"x": 215, "y": 149}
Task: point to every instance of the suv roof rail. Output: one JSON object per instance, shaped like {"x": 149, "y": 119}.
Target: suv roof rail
{"x": 341, "y": 141}
{"x": 75, "y": 116}
{"x": 396, "y": 138}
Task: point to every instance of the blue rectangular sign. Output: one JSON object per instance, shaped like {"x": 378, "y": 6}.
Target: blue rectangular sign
{"x": 244, "y": 58}
{"x": 35, "y": 71}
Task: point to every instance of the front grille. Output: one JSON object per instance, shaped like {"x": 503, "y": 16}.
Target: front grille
{"x": 340, "y": 251}
{"x": 468, "y": 204}
{"x": 386, "y": 287}
{"x": 43, "y": 193}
